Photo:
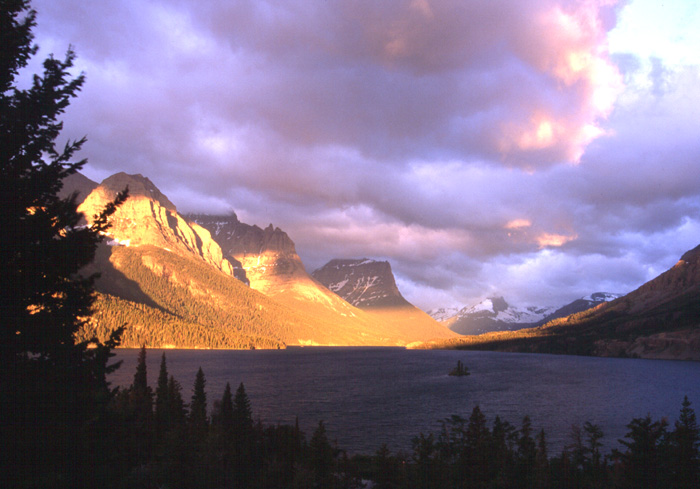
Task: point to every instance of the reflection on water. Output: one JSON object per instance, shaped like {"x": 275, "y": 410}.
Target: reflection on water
{"x": 370, "y": 396}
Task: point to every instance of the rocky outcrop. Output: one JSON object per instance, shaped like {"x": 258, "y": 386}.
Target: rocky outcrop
{"x": 266, "y": 257}
{"x": 364, "y": 283}
{"x": 149, "y": 218}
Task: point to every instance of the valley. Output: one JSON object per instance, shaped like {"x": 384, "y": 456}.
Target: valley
{"x": 212, "y": 281}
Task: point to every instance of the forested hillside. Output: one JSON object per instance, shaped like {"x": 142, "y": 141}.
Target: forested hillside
{"x": 174, "y": 301}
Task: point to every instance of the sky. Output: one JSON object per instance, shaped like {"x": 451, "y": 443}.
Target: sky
{"x": 539, "y": 150}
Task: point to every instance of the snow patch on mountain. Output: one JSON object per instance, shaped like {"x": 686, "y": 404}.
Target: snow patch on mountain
{"x": 495, "y": 314}
{"x": 363, "y": 282}
{"x": 498, "y": 309}
{"x": 443, "y": 313}
{"x": 601, "y": 297}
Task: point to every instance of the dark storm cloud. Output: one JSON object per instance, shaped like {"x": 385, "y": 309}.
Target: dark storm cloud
{"x": 482, "y": 147}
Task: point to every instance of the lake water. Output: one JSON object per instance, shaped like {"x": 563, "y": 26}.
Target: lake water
{"x": 370, "y": 396}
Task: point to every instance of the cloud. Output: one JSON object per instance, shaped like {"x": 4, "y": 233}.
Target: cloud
{"x": 479, "y": 146}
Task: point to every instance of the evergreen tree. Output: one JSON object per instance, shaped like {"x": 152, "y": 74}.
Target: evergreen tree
{"x": 198, "y": 407}
{"x": 242, "y": 413}
{"x": 595, "y": 468}
{"x": 527, "y": 455}
{"x": 541, "y": 462}
{"x": 177, "y": 412}
{"x": 141, "y": 409}
{"x": 429, "y": 472}
{"x": 321, "y": 458}
{"x": 162, "y": 408}
{"x": 643, "y": 463}
{"x": 475, "y": 466}
{"x": 42, "y": 248}
{"x": 222, "y": 437}
{"x": 50, "y": 387}
{"x": 244, "y": 438}
{"x": 685, "y": 440}
{"x": 223, "y": 417}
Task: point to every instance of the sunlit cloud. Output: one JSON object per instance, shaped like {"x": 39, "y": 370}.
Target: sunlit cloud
{"x": 575, "y": 57}
{"x": 478, "y": 146}
{"x": 548, "y": 240}
{"x": 518, "y": 224}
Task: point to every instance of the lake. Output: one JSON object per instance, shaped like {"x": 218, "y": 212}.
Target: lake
{"x": 370, "y": 396}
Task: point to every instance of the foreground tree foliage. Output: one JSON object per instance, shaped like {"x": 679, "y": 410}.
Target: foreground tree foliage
{"x": 53, "y": 391}
{"x": 229, "y": 449}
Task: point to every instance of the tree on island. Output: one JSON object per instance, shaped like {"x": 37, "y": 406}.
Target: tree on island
{"x": 50, "y": 387}
{"x": 460, "y": 370}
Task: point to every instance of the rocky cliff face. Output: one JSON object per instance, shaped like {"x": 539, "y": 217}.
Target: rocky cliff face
{"x": 266, "y": 257}
{"x": 269, "y": 260}
{"x": 364, "y": 283}
{"x": 149, "y": 218}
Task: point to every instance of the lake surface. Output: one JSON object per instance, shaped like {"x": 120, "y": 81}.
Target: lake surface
{"x": 370, "y": 396}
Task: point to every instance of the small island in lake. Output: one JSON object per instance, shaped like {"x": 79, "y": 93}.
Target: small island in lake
{"x": 460, "y": 370}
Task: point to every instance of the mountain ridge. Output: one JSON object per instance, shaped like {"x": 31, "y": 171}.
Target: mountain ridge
{"x": 660, "y": 320}
{"x": 170, "y": 279}
{"x": 495, "y": 314}
{"x": 149, "y": 217}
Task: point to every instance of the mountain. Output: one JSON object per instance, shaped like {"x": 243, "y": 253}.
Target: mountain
{"x": 149, "y": 218}
{"x": 443, "y": 314}
{"x": 364, "y": 283}
{"x": 169, "y": 280}
{"x": 661, "y": 319}
{"x": 266, "y": 257}
{"x": 272, "y": 266}
{"x": 493, "y": 314}
{"x": 582, "y": 304}
{"x": 78, "y": 183}
{"x": 370, "y": 285}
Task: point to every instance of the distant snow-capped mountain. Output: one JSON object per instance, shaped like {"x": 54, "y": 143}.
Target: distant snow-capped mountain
{"x": 442, "y": 314}
{"x": 495, "y": 314}
{"x": 583, "y": 304}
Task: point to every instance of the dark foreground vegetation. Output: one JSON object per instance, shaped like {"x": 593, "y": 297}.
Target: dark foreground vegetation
{"x": 145, "y": 438}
